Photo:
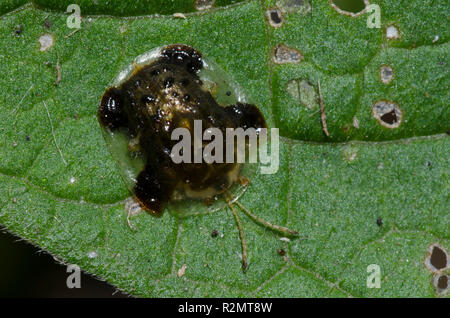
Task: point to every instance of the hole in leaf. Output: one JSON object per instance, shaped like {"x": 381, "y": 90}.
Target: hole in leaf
{"x": 354, "y": 6}
{"x": 46, "y": 41}
{"x": 294, "y": 6}
{"x": 283, "y": 54}
{"x": 389, "y": 118}
{"x": 350, "y": 7}
{"x": 275, "y": 17}
{"x": 387, "y": 113}
{"x": 386, "y": 74}
{"x": 440, "y": 283}
{"x": 438, "y": 258}
{"x": 443, "y": 282}
{"x": 392, "y": 32}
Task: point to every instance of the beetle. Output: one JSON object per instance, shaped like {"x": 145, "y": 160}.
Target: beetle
{"x": 148, "y": 106}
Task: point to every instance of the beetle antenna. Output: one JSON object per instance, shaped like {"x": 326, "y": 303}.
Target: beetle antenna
{"x": 241, "y": 234}
{"x": 274, "y": 227}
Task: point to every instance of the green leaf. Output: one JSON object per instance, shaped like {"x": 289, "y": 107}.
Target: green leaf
{"x": 61, "y": 189}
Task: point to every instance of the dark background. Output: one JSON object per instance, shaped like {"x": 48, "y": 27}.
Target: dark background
{"x": 27, "y": 272}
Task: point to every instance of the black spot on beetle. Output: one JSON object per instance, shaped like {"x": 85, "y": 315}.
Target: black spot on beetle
{"x": 183, "y": 55}
{"x": 148, "y": 99}
{"x": 168, "y": 82}
{"x": 246, "y": 115}
{"x": 184, "y": 82}
{"x": 354, "y": 6}
{"x": 111, "y": 111}
{"x": 155, "y": 72}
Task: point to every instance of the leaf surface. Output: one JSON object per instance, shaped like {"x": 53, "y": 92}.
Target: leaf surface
{"x": 61, "y": 190}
